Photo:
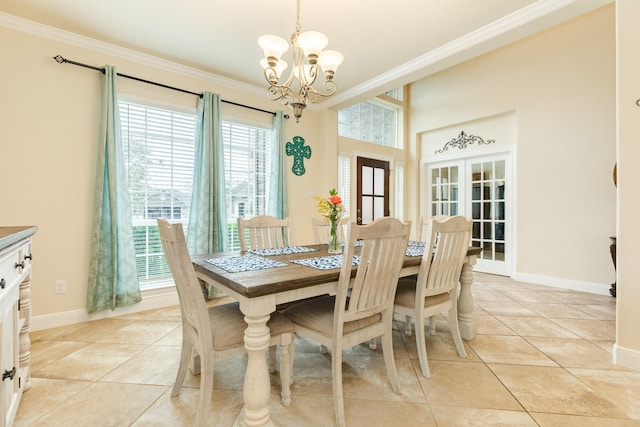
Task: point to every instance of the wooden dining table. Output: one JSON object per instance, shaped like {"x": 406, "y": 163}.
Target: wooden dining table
{"x": 260, "y": 291}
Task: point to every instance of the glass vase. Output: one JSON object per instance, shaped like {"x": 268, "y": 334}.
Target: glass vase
{"x": 335, "y": 245}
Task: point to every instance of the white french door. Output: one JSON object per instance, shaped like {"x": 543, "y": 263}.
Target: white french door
{"x": 479, "y": 188}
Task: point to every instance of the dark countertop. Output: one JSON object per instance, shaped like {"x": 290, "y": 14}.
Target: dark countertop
{"x": 10, "y": 235}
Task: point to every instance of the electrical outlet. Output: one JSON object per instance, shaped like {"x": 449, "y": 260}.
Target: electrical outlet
{"x": 59, "y": 286}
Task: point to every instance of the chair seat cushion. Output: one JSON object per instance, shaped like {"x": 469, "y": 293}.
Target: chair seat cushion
{"x": 317, "y": 315}
{"x": 228, "y": 325}
{"x": 406, "y": 295}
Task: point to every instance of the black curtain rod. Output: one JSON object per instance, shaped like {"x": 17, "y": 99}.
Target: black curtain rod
{"x": 61, "y": 60}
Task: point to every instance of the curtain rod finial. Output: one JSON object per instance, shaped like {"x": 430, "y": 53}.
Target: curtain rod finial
{"x": 59, "y": 59}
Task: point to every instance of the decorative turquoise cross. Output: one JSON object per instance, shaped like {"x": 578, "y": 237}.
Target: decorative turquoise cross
{"x": 299, "y": 152}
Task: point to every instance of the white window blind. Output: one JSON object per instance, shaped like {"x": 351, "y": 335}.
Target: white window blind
{"x": 398, "y": 205}
{"x": 344, "y": 182}
{"x": 159, "y": 156}
{"x": 247, "y": 151}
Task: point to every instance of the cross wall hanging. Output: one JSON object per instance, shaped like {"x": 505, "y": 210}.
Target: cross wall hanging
{"x": 299, "y": 151}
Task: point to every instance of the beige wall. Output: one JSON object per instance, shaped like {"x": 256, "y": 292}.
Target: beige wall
{"x": 49, "y": 115}
{"x": 560, "y": 84}
{"x": 627, "y": 348}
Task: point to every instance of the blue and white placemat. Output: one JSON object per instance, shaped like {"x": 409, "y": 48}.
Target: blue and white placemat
{"x": 325, "y": 262}
{"x": 283, "y": 251}
{"x": 240, "y": 263}
{"x": 415, "y": 248}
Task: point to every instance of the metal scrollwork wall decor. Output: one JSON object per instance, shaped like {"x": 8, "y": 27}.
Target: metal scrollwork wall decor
{"x": 299, "y": 152}
{"x": 462, "y": 140}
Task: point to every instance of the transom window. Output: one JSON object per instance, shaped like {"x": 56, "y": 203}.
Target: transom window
{"x": 375, "y": 120}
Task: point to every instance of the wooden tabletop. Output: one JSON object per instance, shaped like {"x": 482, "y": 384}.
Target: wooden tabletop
{"x": 258, "y": 283}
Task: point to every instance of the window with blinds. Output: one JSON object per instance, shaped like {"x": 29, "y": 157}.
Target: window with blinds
{"x": 398, "y": 203}
{"x": 344, "y": 182}
{"x": 159, "y": 150}
{"x": 247, "y": 155}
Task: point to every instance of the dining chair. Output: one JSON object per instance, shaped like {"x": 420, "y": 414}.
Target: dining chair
{"x": 264, "y": 232}
{"x": 362, "y": 307}
{"x": 435, "y": 289}
{"x": 213, "y": 332}
{"x": 320, "y": 228}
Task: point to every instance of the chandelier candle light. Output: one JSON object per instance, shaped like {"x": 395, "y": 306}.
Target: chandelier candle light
{"x": 307, "y": 56}
{"x": 332, "y": 209}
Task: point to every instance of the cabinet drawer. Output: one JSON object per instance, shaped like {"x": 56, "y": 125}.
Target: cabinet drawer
{"x": 9, "y": 274}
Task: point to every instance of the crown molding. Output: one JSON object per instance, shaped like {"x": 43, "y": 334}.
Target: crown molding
{"x": 526, "y": 21}
{"x": 53, "y": 33}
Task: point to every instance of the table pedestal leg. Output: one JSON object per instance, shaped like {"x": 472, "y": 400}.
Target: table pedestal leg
{"x": 257, "y": 386}
{"x": 465, "y": 301}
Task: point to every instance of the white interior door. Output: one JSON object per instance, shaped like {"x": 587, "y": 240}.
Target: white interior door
{"x": 479, "y": 188}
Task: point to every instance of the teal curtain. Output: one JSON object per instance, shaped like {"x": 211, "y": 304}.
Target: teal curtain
{"x": 207, "y": 231}
{"x": 113, "y": 279}
{"x": 278, "y": 195}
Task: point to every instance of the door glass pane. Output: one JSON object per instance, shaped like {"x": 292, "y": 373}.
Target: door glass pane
{"x": 499, "y": 252}
{"x": 499, "y": 170}
{"x": 475, "y": 210}
{"x": 475, "y": 191}
{"x": 454, "y": 208}
{"x": 378, "y": 207}
{"x": 487, "y": 171}
{"x": 367, "y": 180}
{"x": 378, "y": 182}
{"x": 367, "y": 209}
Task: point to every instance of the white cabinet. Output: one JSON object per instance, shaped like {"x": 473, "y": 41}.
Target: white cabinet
{"x": 15, "y": 318}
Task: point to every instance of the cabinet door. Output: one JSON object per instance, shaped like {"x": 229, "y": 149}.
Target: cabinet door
{"x": 9, "y": 354}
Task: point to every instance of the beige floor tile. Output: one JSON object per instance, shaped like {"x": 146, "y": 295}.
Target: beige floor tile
{"x": 155, "y": 365}
{"x": 556, "y": 420}
{"x": 553, "y": 390}
{"x": 526, "y": 296}
{"x": 489, "y": 325}
{"x": 572, "y": 353}
{"x": 535, "y": 327}
{"x": 140, "y": 332}
{"x": 455, "y": 416}
{"x": 557, "y": 310}
{"x": 89, "y": 363}
{"x": 483, "y": 293}
{"x": 598, "y": 311}
{"x": 439, "y": 347}
{"x": 181, "y": 410}
{"x": 620, "y": 388}
{"x": 90, "y": 331}
{"x": 44, "y": 396}
{"x": 104, "y": 405}
{"x": 582, "y": 298}
{"x": 508, "y": 349}
{"x": 590, "y": 329}
{"x": 44, "y": 352}
{"x": 506, "y": 308}
{"x": 466, "y": 384}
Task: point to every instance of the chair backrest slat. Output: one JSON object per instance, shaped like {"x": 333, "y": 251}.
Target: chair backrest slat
{"x": 264, "y": 232}
{"x": 372, "y": 289}
{"x": 320, "y": 228}
{"x": 440, "y": 268}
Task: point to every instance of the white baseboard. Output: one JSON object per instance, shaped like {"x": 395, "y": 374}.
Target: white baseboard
{"x": 152, "y": 299}
{"x": 626, "y": 357}
{"x": 575, "y": 285}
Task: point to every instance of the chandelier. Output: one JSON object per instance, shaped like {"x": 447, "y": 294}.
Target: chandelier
{"x": 298, "y": 90}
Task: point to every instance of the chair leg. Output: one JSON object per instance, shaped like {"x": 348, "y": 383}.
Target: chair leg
{"x": 373, "y": 343}
{"x": 285, "y": 368}
{"x": 272, "y": 359}
{"x": 432, "y": 325}
{"x": 407, "y": 326}
{"x": 421, "y": 344}
{"x": 390, "y": 361}
{"x": 206, "y": 389}
{"x": 455, "y": 332}
{"x": 185, "y": 357}
{"x": 338, "y": 398}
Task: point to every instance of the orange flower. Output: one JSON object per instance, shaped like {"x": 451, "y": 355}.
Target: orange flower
{"x": 336, "y": 200}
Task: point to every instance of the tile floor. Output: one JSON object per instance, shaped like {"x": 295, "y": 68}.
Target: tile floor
{"x": 542, "y": 357}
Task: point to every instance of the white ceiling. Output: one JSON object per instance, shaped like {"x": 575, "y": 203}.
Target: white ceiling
{"x": 385, "y": 43}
